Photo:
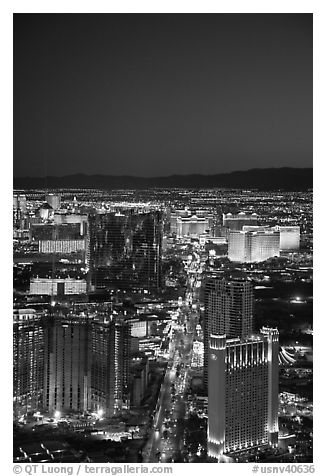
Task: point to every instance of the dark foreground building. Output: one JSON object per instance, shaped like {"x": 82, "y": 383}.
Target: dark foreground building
{"x": 71, "y": 362}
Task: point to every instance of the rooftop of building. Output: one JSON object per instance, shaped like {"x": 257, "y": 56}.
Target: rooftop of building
{"x": 255, "y": 337}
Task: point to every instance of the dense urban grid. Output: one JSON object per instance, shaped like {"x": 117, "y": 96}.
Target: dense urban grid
{"x": 162, "y": 325}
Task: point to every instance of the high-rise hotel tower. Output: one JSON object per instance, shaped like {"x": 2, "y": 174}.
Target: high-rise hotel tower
{"x": 242, "y": 392}
{"x": 110, "y": 364}
{"x": 87, "y": 362}
{"x": 77, "y": 360}
{"x": 228, "y": 310}
{"x": 67, "y": 365}
{"x": 28, "y": 360}
{"x": 253, "y": 246}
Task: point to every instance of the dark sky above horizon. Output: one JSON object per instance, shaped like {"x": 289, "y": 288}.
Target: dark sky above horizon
{"x": 151, "y": 95}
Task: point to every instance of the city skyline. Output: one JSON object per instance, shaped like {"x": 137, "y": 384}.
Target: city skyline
{"x": 115, "y": 94}
{"x": 129, "y": 303}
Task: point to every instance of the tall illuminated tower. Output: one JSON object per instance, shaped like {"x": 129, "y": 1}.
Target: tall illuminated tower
{"x": 111, "y": 340}
{"x": 28, "y": 360}
{"x": 272, "y": 336}
{"x": 242, "y": 393}
{"x": 229, "y": 306}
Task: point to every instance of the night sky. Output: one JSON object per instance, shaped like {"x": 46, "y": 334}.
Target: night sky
{"x": 162, "y": 94}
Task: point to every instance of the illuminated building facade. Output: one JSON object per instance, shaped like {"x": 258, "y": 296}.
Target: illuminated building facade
{"x": 139, "y": 327}
{"x": 253, "y": 246}
{"x": 175, "y": 214}
{"x": 15, "y": 202}
{"x": 186, "y": 222}
{"x": 58, "y": 286}
{"x": 145, "y": 325}
{"x": 111, "y": 343}
{"x": 125, "y": 250}
{"x": 242, "y": 393}
{"x": 192, "y": 226}
{"x": 28, "y": 360}
{"x": 289, "y": 237}
{"x": 17, "y": 218}
{"x": 229, "y": 307}
{"x": 272, "y": 337}
{"x": 197, "y": 354}
{"x": 61, "y": 246}
{"x": 45, "y": 211}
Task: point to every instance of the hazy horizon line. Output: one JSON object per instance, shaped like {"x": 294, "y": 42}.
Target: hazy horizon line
{"x": 159, "y": 176}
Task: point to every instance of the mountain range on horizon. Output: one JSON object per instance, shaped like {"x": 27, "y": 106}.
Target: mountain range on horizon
{"x": 285, "y": 178}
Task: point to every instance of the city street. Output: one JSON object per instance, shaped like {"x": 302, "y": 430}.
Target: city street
{"x": 165, "y": 443}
